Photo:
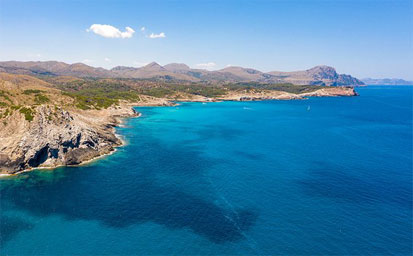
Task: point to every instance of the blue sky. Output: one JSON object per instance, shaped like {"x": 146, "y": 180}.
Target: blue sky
{"x": 363, "y": 38}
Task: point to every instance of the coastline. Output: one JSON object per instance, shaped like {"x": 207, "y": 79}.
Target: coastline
{"x": 85, "y": 162}
{"x": 113, "y": 119}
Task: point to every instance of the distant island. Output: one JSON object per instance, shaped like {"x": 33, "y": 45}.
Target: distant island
{"x": 53, "y": 113}
{"x": 386, "y": 81}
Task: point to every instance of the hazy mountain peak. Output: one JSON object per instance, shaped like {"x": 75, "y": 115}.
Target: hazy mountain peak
{"x": 323, "y": 72}
{"x": 121, "y": 68}
{"x": 79, "y": 64}
{"x": 153, "y": 66}
{"x": 241, "y": 69}
{"x": 177, "y": 67}
{"x": 322, "y": 68}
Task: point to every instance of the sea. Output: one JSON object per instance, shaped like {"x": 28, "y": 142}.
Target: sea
{"x": 322, "y": 176}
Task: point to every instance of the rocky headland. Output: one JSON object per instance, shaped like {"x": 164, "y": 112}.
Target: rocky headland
{"x": 280, "y": 95}
{"x": 58, "y": 137}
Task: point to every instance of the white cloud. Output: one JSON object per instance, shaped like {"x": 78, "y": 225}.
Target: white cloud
{"x": 208, "y": 65}
{"x": 87, "y": 61}
{"x": 107, "y": 59}
{"x": 110, "y": 31}
{"x": 160, "y": 35}
{"x": 143, "y": 29}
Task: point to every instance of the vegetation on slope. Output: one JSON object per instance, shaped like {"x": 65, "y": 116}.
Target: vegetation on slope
{"x": 32, "y": 91}
{"x": 100, "y": 93}
{"x": 97, "y": 94}
{"x": 5, "y": 95}
{"x": 28, "y": 113}
{"x": 41, "y": 99}
{"x": 291, "y": 88}
{"x": 169, "y": 89}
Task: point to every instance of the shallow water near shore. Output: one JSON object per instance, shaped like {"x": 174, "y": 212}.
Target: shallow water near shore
{"x": 305, "y": 177}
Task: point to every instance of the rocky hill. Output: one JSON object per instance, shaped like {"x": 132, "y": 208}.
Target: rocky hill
{"x": 177, "y": 67}
{"x": 249, "y": 74}
{"x": 320, "y": 75}
{"x": 41, "y": 126}
{"x": 54, "y": 68}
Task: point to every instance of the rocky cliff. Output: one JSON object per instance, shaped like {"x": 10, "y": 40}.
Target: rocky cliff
{"x": 58, "y": 137}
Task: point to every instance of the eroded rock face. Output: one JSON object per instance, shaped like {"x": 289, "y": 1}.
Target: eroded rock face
{"x": 59, "y": 137}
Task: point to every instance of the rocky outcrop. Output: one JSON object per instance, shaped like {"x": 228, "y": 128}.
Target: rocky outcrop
{"x": 331, "y": 92}
{"x": 279, "y": 95}
{"x": 58, "y": 137}
{"x": 258, "y": 95}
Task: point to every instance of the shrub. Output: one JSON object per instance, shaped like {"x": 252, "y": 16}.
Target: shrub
{"x": 41, "y": 99}
{"x": 28, "y": 113}
{"x": 5, "y": 96}
{"x": 31, "y": 91}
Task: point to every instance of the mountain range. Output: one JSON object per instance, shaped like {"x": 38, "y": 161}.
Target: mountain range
{"x": 319, "y": 75}
{"x": 386, "y": 81}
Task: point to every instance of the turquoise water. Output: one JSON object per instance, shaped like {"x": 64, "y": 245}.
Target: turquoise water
{"x": 319, "y": 176}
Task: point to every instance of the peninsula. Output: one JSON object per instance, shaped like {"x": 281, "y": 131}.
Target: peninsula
{"x": 53, "y": 113}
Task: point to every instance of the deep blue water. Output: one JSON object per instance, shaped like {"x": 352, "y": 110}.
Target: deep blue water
{"x": 313, "y": 177}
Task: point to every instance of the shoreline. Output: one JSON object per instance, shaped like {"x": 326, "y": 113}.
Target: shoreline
{"x": 4, "y": 175}
{"x": 122, "y": 140}
{"x": 117, "y": 121}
